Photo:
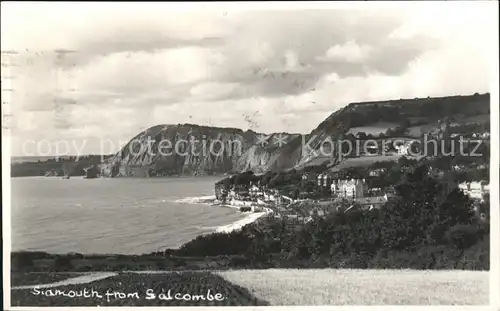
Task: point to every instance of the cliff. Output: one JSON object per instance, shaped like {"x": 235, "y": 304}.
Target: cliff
{"x": 230, "y": 150}
{"x": 189, "y": 149}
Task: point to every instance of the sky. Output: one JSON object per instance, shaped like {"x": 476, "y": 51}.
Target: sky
{"x": 90, "y": 76}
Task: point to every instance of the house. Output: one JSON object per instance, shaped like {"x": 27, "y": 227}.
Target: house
{"x": 475, "y": 190}
{"x": 403, "y": 148}
{"x": 255, "y": 191}
{"x": 296, "y": 219}
{"x": 305, "y": 194}
{"x": 318, "y": 212}
{"x": 390, "y": 191}
{"x": 353, "y": 188}
{"x": 373, "y": 192}
{"x": 221, "y": 189}
{"x": 239, "y": 192}
{"x": 52, "y": 172}
{"x": 458, "y": 168}
{"x": 324, "y": 208}
{"x": 377, "y": 172}
{"x": 481, "y": 135}
{"x": 309, "y": 177}
{"x": 369, "y": 203}
{"x": 323, "y": 180}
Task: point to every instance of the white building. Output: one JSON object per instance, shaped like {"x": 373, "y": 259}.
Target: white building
{"x": 353, "y": 188}
{"x": 256, "y": 191}
{"x": 404, "y": 148}
{"x": 481, "y": 135}
{"x": 457, "y": 168}
{"x": 323, "y": 180}
{"x": 475, "y": 189}
{"x": 377, "y": 172}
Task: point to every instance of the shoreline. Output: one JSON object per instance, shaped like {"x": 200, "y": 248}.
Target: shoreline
{"x": 208, "y": 200}
{"x": 249, "y": 218}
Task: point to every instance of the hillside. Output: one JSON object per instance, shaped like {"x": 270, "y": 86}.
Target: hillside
{"x": 52, "y": 166}
{"x": 392, "y": 118}
{"x": 405, "y": 116}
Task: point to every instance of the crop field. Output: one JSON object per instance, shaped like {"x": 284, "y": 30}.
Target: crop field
{"x": 373, "y": 129}
{"x": 420, "y": 130}
{"x": 137, "y": 289}
{"x": 365, "y": 161}
{"x": 482, "y": 118}
{"x": 364, "y": 287}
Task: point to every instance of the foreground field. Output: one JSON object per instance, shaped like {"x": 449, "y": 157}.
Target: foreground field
{"x": 260, "y": 287}
{"x": 136, "y": 289}
{"x": 364, "y": 287}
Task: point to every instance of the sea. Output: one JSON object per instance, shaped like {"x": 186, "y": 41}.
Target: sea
{"x": 115, "y": 215}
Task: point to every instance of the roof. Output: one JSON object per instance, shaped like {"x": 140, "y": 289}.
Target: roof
{"x": 371, "y": 200}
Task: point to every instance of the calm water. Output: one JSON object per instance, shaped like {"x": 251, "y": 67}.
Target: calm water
{"x": 127, "y": 216}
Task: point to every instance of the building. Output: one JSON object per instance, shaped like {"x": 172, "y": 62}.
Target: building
{"x": 353, "y": 188}
{"x": 390, "y": 191}
{"x": 475, "y": 190}
{"x": 458, "y": 168}
{"x": 309, "y": 177}
{"x": 305, "y": 194}
{"x": 222, "y": 189}
{"x": 377, "y": 172}
{"x": 240, "y": 192}
{"x": 255, "y": 191}
{"x": 403, "y": 148}
{"x": 481, "y": 135}
{"x": 324, "y": 180}
{"x": 374, "y": 192}
{"x": 370, "y": 203}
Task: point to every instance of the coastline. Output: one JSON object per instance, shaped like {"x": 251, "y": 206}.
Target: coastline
{"x": 249, "y": 218}
{"x": 235, "y": 220}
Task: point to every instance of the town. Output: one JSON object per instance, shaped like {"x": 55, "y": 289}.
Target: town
{"x": 308, "y": 195}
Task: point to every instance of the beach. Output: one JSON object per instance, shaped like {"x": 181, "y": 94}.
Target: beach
{"x": 250, "y": 217}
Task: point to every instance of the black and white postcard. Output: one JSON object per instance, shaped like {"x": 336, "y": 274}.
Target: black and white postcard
{"x": 250, "y": 154}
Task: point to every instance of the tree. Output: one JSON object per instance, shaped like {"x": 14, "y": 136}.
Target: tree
{"x": 244, "y": 178}
{"x": 362, "y": 136}
{"x": 63, "y": 263}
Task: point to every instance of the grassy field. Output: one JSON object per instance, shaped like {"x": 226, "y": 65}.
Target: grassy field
{"x": 364, "y": 287}
{"x": 136, "y": 289}
{"x": 373, "y": 129}
{"x": 364, "y": 161}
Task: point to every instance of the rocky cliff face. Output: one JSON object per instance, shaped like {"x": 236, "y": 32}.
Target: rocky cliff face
{"x": 191, "y": 149}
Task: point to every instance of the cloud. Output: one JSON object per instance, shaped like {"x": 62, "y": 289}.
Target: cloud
{"x": 349, "y": 52}
{"x": 135, "y": 66}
